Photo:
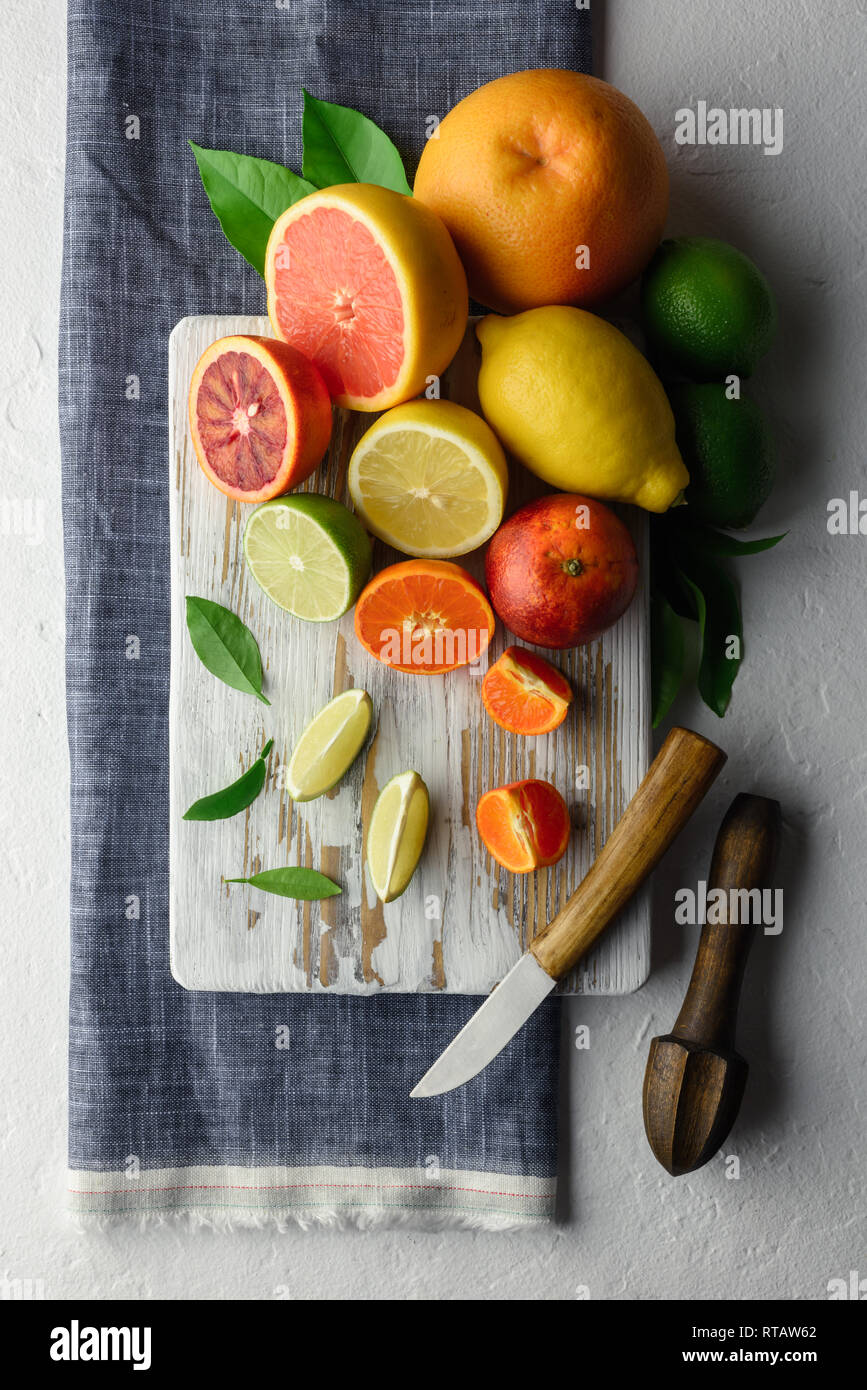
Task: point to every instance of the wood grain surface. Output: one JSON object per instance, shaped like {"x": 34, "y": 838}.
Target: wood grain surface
{"x": 463, "y": 921}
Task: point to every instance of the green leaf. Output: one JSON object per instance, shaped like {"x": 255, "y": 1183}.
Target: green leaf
{"x": 667, "y": 656}
{"x": 237, "y": 796}
{"x": 226, "y": 646}
{"x": 718, "y": 543}
{"x": 719, "y": 620}
{"x": 665, "y": 548}
{"x": 342, "y": 146}
{"x": 248, "y": 195}
{"x": 292, "y": 882}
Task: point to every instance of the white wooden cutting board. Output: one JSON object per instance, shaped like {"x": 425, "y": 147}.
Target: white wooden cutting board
{"x": 463, "y": 921}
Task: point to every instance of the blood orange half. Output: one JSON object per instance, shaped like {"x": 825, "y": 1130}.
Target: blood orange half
{"x": 260, "y": 417}
{"x": 424, "y": 616}
{"x": 367, "y": 283}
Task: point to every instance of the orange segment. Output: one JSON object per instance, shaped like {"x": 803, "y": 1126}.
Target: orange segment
{"x": 525, "y": 694}
{"x": 525, "y": 825}
{"x": 424, "y": 616}
{"x": 367, "y": 283}
{"x": 260, "y": 417}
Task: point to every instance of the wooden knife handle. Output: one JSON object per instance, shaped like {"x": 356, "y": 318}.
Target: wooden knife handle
{"x": 743, "y": 858}
{"x": 677, "y": 779}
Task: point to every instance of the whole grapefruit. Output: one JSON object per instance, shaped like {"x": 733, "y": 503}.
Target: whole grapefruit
{"x": 561, "y": 570}
{"x": 553, "y": 186}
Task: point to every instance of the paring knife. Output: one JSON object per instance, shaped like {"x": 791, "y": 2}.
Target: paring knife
{"x": 678, "y": 778}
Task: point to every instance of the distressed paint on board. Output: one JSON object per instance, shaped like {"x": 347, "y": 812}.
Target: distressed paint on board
{"x": 463, "y": 921}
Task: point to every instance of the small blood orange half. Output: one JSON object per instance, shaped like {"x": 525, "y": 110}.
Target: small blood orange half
{"x": 525, "y": 694}
{"x": 260, "y": 417}
{"x": 525, "y": 825}
{"x": 424, "y": 616}
{"x": 367, "y": 283}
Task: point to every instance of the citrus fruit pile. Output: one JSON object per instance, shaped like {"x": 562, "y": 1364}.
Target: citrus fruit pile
{"x": 543, "y": 194}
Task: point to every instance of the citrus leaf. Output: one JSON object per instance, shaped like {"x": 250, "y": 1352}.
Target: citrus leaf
{"x": 342, "y": 146}
{"x": 719, "y": 621}
{"x": 667, "y": 656}
{"x": 718, "y": 543}
{"x": 665, "y": 550}
{"x": 670, "y": 583}
{"x": 292, "y": 882}
{"x": 229, "y": 801}
{"x": 226, "y": 646}
{"x": 247, "y": 196}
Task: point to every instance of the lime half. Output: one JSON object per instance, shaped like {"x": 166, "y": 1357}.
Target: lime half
{"x": 310, "y": 554}
{"x": 329, "y": 745}
{"x": 396, "y": 835}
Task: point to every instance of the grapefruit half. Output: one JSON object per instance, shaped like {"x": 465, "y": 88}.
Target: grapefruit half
{"x": 367, "y": 284}
{"x": 260, "y": 417}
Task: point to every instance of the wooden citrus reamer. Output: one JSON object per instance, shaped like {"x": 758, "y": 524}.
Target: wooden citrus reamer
{"x": 695, "y": 1079}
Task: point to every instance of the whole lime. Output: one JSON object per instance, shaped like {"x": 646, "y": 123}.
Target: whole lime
{"x": 707, "y": 309}
{"x": 728, "y": 448}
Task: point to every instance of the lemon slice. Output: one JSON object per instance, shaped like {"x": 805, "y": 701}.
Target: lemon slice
{"x": 395, "y": 837}
{"x": 430, "y": 478}
{"x": 329, "y": 745}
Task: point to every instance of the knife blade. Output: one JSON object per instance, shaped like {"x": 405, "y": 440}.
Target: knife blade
{"x": 677, "y": 780}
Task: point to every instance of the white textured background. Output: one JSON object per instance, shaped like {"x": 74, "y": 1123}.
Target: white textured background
{"x": 796, "y": 1216}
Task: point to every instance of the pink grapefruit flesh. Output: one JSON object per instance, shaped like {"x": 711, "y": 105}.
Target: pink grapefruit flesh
{"x": 338, "y": 301}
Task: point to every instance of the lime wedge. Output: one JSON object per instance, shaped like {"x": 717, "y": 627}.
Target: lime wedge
{"x": 395, "y": 837}
{"x": 329, "y": 745}
{"x": 310, "y": 554}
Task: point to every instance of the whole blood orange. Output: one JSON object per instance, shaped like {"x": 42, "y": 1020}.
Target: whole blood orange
{"x": 561, "y": 570}
{"x": 553, "y": 185}
{"x": 525, "y": 694}
{"x": 367, "y": 283}
{"x": 525, "y": 825}
{"x": 260, "y": 417}
{"x": 424, "y": 616}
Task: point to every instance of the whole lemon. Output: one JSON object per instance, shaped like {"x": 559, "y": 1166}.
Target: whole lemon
{"x": 579, "y": 406}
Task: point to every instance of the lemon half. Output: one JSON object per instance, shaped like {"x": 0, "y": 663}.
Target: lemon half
{"x": 430, "y": 478}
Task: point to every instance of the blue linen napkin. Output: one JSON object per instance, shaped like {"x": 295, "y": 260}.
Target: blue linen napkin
{"x": 236, "y": 1108}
